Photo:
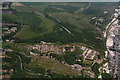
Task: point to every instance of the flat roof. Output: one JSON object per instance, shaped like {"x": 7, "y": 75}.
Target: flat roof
{"x": 109, "y": 42}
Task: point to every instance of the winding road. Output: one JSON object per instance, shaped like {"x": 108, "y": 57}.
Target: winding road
{"x": 109, "y": 27}
{"x": 21, "y": 65}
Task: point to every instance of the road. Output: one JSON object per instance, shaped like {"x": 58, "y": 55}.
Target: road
{"x": 38, "y": 12}
{"x": 58, "y": 22}
{"x": 109, "y": 26}
{"x": 21, "y": 65}
{"x": 89, "y": 4}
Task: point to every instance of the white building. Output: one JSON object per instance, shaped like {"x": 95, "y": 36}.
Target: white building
{"x": 116, "y": 10}
{"x": 109, "y": 42}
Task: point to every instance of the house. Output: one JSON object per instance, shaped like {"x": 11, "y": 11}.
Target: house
{"x": 101, "y": 19}
{"x": 9, "y": 24}
{"x": 91, "y": 54}
{"x": 4, "y": 76}
{"x": 105, "y": 12}
{"x": 72, "y": 49}
{"x": 5, "y": 28}
{"x": 115, "y": 15}
{"x": 7, "y": 12}
{"x": 109, "y": 42}
{"x": 6, "y": 32}
{"x": 83, "y": 48}
{"x": 59, "y": 53}
{"x": 32, "y": 54}
{"x": 10, "y": 41}
{"x": 63, "y": 50}
{"x": 6, "y": 4}
{"x": 13, "y": 29}
{"x": 94, "y": 18}
{"x": 85, "y": 52}
{"x": 77, "y": 67}
{"x": 1, "y": 56}
{"x": 42, "y": 42}
{"x": 89, "y": 73}
{"x": 8, "y": 50}
{"x": 7, "y": 40}
{"x": 116, "y": 10}
{"x": 89, "y": 51}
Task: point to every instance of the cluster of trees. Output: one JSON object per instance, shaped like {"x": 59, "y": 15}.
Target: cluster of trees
{"x": 95, "y": 68}
{"x": 10, "y": 18}
{"x": 68, "y": 57}
{"x": 14, "y": 60}
{"x": 7, "y": 4}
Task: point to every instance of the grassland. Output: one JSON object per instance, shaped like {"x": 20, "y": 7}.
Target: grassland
{"x": 34, "y": 26}
{"x": 97, "y": 8}
{"x": 24, "y": 32}
{"x": 53, "y": 65}
{"x": 36, "y": 5}
{"x": 10, "y": 18}
{"x": 74, "y": 16}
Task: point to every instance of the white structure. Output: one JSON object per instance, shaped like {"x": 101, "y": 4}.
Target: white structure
{"x": 109, "y": 42}
{"x": 115, "y": 15}
{"x": 116, "y": 10}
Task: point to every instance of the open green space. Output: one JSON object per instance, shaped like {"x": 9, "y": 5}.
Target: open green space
{"x": 34, "y": 26}
{"x": 24, "y": 32}
{"x": 10, "y": 18}
{"x": 52, "y": 65}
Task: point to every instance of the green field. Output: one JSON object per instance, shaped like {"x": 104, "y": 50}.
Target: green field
{"x": 10, "y": 18}
{"x": 53, "y": 65}
{"x": 24, "y": 32}
{"x": 34, "y": 26}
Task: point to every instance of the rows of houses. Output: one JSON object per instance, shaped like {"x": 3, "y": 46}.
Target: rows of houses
{"x": 89, "y": 53}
